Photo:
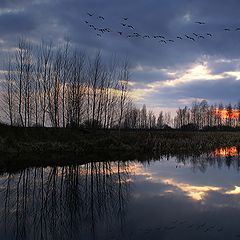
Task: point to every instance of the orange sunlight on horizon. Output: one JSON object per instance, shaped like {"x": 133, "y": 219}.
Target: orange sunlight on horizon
{"x": 225, "y": 114}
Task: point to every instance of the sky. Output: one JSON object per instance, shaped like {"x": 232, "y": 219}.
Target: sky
{"x": 163, "y": 75}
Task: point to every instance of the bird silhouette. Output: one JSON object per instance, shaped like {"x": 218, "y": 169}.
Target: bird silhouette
{"x": 123, "y": 24}
{"x": 146, "y": 36}
{"x": 170, "y": 40}
{"x": 100, "y": 17}
{"x": 136, "y": 34}
{"x": 237, "y": 29}
{"x": 196, "y": 35}
{"x": 200, "y": 23}
{"x": 120, "y": 33}
{"x": 209, "y": 34}
{"x": 161, "y": 36}
{"x": 130, "y": 26}
{"x": 163, "y": 41}
{"x": 99, "y": 35}
{"x": 179, "y": 38}
{"x": 125, "y": 18}
{"x": 86, "y": 22}
{"x": 92, "y": 26}
{"x": 192, "y": 39}
{"x": 202, "y": 225}
{"x": 90, "y": 14}
{"x": 200, "y": 36}
{"x": 187, "y": 36}
{"x": 227, "y": 29}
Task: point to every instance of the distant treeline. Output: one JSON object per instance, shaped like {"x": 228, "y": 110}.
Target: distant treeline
{"x": 200, "y": 116}
{"x": 45, "y": 85}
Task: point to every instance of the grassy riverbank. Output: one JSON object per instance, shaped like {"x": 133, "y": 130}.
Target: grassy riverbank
{"x": 82, "y": 141}
{"x": 23, "y": 147}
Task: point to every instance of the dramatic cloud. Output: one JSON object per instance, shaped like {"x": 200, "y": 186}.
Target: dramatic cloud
{"x": 164, "y": 75}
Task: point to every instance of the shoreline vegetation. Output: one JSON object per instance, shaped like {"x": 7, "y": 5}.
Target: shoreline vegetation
{"x": 35, "y": 146}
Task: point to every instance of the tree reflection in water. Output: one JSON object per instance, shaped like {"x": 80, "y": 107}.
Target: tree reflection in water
{"x": 220, "y": 157}
{"x": 90, "y": 201}
{"x": 64, "y": 202}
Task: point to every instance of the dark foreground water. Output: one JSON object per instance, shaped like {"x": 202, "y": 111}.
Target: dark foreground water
{"x": 169, "y": 198}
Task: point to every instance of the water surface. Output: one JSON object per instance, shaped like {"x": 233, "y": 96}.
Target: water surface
{"x": 180, "y": 197}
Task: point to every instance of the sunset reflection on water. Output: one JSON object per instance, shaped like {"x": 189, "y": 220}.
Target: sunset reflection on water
{"x": 172, "y": 196}
{"x": 226, "y": 152}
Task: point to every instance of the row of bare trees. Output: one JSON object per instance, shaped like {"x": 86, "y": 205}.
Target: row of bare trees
{"x": 141, "y": 118}
{"x": 198, "y": 116}
{"x": 60, "y": 86}
{"x": 201, "y": 114}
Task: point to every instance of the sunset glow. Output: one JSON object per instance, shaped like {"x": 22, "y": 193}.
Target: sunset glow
{"x": 226, "y": 114}
{"x": 194, "y": 192}
{"x": 225, "y": 152}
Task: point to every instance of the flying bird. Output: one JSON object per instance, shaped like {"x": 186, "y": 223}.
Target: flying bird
{"x": 179, "y": 38}
{"x": 123, "y": 24}
{"x": 187, "y": 36}
{"x": 99, "y": 35}
{"x": 170, "y": 40}
{"x": 130, "y": 26}
{"x": 163, "y": 41}
{"x": 237, "y": 29}
{"x": 136, "y": 34}
{"x": 200, "y": 23}
{"x": 92, "y": 26}
{"x": 196, "y": 35}
{"x": 209, "y": 34}
{"x": 227, "y": 29}
{"x": 90, "y": 14}
{"x": 120, "y": 33}
{"x": 125, "y": 18}
{"x": 86, "y": 22}
{"x": 192, "y": 39}
{"x": 100, "y": 17}
{"x": 200, "y": 36}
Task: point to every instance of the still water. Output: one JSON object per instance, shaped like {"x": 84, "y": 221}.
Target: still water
{"x": 180, "y": 197}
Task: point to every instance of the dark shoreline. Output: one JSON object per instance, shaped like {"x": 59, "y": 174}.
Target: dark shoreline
{"x": 83, "y": 141}
{"x": 25, "y": 147}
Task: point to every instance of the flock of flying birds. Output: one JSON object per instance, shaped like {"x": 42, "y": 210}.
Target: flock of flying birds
{"x": 128, "y": 31}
